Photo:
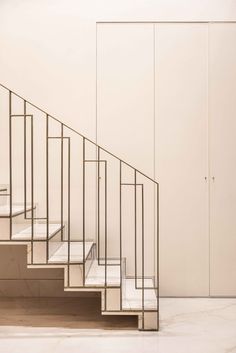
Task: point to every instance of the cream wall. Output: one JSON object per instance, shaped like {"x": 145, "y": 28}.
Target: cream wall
{"x": 48, "y": 55}
{"x": 40, "y": 39}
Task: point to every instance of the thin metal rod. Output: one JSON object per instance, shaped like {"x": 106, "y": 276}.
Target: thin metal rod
{"x": 68, "y": 274}
{"x": 62, "y": 179}
{"x": 25, "y": 160}
{"x": 120, "y": 236}
{"x": 143, "y": 251}
{"x": 59, "y": 137}
{"x": 135, "y": 227}
{"x": 78, "y": 133}
{"x": 95, "y": 160}
{"x": 98, "y": 207}
{"x": 157, "y": 240}
{"x": 84, "y": 212}
{"x": 22, "y": 115}
{"x": 32, "y": 189}
{"x": 10, "y": 159}
{"x": 106, "y": 242}
{"x": 47, "y": 190}
{"x": 130, "y": 184}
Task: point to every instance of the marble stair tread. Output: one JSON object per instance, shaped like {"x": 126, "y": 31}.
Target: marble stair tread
{"x": 96, "y": 275}
{"x": 132, "y": 297}
{"x": 76, "y": 252}
{"x": 40, "y": 232}
{"x": 16, "y": 210}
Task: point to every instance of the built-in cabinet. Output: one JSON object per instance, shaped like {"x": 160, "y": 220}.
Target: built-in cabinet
{"x": 181, "y": 157}
{"x": 166, "y": 102}
{"x": 222, "y": 153}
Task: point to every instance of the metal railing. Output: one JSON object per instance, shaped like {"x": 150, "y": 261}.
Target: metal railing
{"x": 133, "y": 195}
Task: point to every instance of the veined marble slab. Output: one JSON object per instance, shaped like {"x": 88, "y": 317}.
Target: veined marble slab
{"x": 40, "y": 232}
{"x": 76, "y": 252}
{"x": 16, "y": 210}
{"x": 132, "y": 297}
{"x": 187, "y": 325}
{"x": 96, "y": 275}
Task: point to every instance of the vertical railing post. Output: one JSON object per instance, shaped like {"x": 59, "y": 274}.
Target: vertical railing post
{"x": 32, "y": 189}
{"x": 83, "y": 211}
{"x": 157, "y": 235}
{"x": 98, "y": 207}
{"x": 25, "y": 165}
{"x": 68, "y": 262}
{"x": 10, "y": 159}
{"x": 62, "y": 178}
{"x": 47, "y": 192}
{"x": 120, "y": 235}
{"x": 105, "y": 235}
{"x": 143, "y": 273}
{"x": 135, "y": 228}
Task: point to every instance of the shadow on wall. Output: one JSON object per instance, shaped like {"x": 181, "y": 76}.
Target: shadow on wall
{"x": 35, "y": 297}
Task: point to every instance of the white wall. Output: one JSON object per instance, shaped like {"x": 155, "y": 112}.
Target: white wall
{"x": 48, "y": 55}
{"x": 48, "y": 47}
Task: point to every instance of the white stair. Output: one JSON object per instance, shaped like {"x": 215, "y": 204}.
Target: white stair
{"x": 76, "y": 252}
{"x": 96, "y": 275}
{"x": 16, "y": 210}
{"x": 132, "y": 297}
{"x": 40, "y": 232}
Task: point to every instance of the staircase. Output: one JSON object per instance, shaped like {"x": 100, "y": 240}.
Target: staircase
{"x": 79, "y": 207}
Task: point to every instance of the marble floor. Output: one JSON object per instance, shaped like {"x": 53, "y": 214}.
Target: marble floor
{"x": 187, "y": 326}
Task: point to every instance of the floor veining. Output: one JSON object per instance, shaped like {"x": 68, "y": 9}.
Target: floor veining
{"x": 187, "y": 325}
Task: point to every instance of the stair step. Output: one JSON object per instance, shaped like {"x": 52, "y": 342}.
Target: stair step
{"x": 96, "y": 275}
{"x": 132, "y": 297}
{"x": 16, "y": 210}
{"x": 40, "y": 232}
{"x": 76, "y": 252}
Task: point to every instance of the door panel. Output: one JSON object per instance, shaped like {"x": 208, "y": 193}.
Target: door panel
{"x": 222, "y": 109}
{"x": 181, "y": 157}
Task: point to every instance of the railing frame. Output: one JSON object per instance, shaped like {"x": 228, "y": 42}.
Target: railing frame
{"x": 98, "y": 160}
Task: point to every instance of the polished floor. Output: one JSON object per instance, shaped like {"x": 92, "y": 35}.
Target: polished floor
{"x": 74, "y": 325}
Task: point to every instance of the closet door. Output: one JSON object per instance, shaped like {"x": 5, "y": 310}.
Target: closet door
{"x": 222, "y": 110}
{"x": 181, "y": 157}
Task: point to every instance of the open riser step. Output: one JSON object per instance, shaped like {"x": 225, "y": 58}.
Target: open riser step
{"x": 47, "y": 247}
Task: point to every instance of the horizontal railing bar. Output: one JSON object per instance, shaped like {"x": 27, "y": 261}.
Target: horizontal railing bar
{"x": 2, "y": 190}
{"x": 130, "y": 184}
{"x": 21, "y": 115}
{"x": 22, "y": 240}
{"x": 58, "y": 137}
{"x": 146, "y": 288}
{"x": 94, "y": 160}
{"x": 5, "y": 194}
{"x": 89, "y": 286}
{"x": 78, "y": 133}
{"x": 36, "y": 218}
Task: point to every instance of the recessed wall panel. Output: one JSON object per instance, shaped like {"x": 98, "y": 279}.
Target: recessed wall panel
{"x": 181, "y": 157}
{"x": 222, "y": 120}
